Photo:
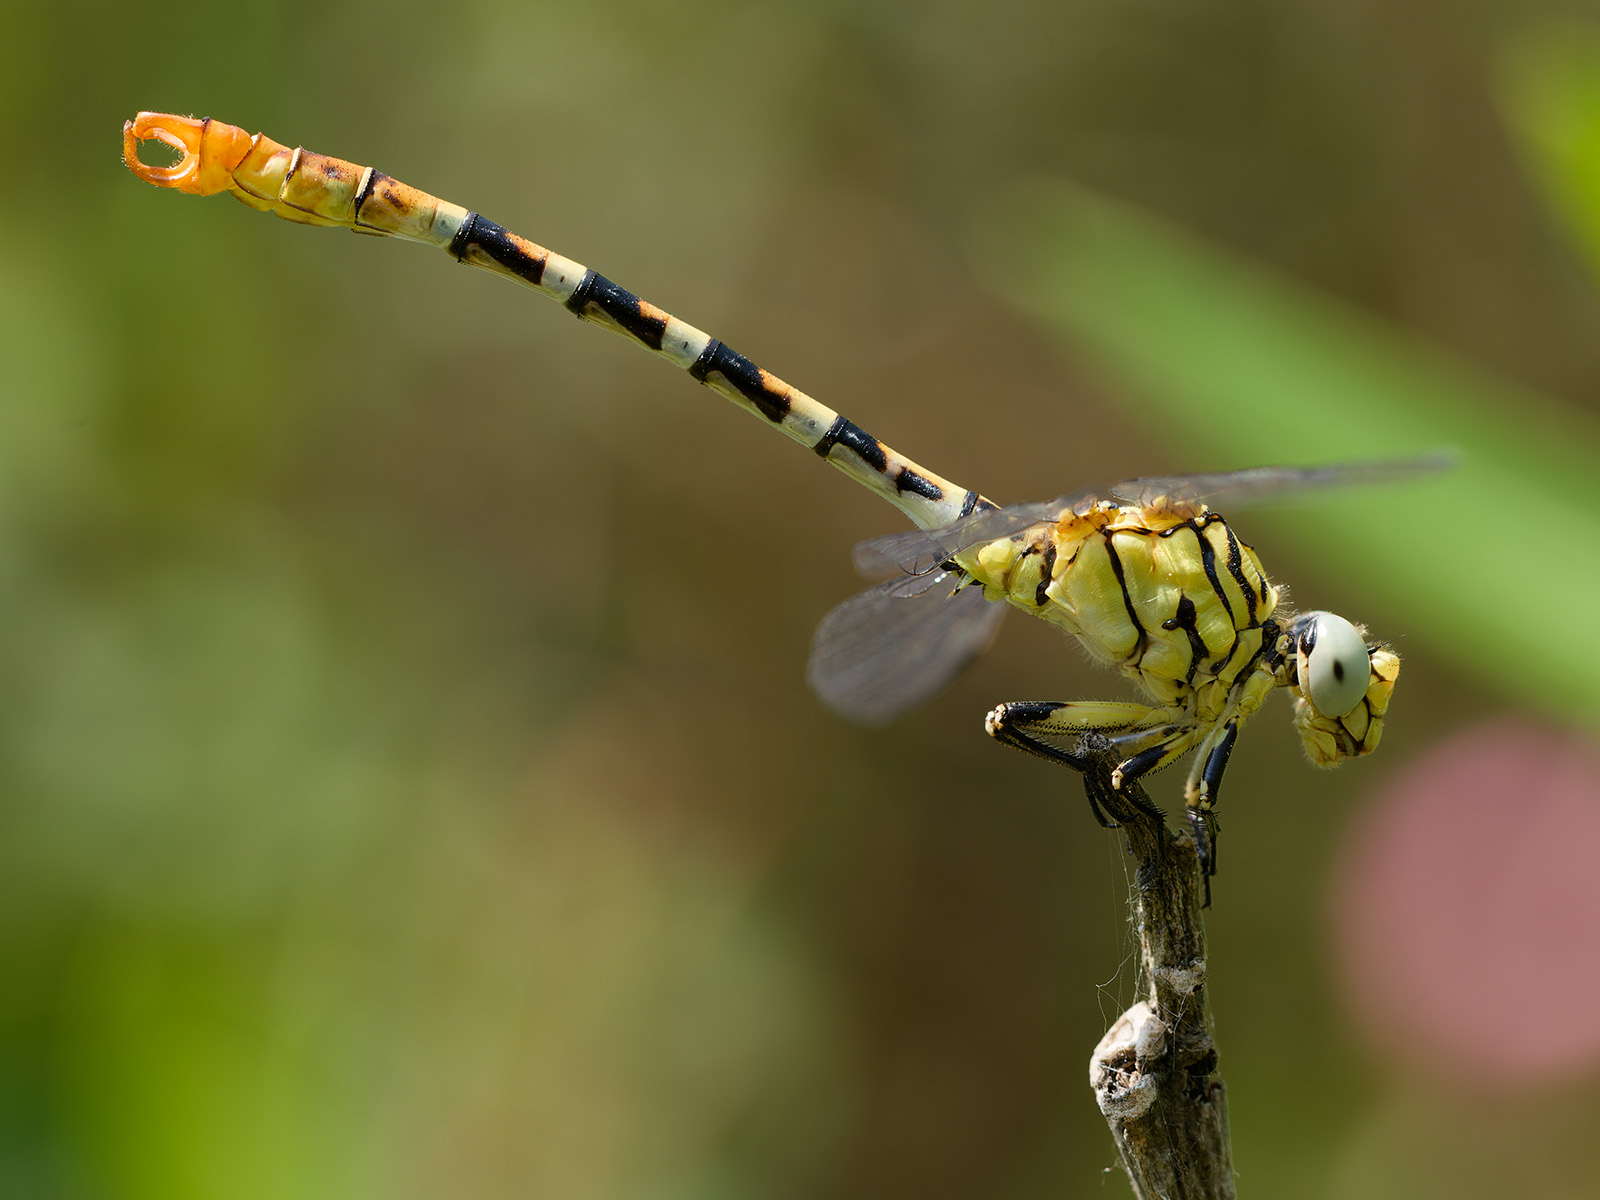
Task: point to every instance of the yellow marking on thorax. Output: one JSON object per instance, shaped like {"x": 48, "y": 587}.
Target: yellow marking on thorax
{"x": 1120, "y": 576}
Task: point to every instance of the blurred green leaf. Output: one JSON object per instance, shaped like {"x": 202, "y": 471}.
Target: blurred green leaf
{"x": 1493, "y": 564}
{"x": 1550, "y": 92}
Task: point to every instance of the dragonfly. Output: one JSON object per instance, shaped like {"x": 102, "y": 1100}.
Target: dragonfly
{"x": 1147, "y": 576}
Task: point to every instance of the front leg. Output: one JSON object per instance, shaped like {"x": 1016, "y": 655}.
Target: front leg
{"x": 1200, "y": 799}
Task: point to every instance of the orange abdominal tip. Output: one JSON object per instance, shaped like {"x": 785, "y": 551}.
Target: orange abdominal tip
{"x": 210, "y": 151}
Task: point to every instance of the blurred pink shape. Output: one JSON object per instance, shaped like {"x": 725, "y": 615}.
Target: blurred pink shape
{"x": 1467, "y": 908}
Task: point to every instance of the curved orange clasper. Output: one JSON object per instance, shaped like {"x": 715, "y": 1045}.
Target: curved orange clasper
{"x": 211, "y": 150}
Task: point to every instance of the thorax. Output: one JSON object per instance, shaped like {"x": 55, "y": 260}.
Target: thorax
{"x": 1169, "y": 596}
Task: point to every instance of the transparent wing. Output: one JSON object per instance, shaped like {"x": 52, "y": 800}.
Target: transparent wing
{"x": 919, "y": 551}
{"x": 1257, "y": 483}
{"x": 886, "y": 650}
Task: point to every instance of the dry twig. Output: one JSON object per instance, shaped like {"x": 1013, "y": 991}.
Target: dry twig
{"x": 1154, "y": 1073}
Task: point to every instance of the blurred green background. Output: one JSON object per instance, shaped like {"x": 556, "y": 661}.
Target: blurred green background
{"x": 409, "y": 785}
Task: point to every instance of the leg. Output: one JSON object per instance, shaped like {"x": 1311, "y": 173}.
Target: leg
{"x": 1201, "y": 801}
{"x": 1203, "y": 828}
{"x": 1055, "y": 731}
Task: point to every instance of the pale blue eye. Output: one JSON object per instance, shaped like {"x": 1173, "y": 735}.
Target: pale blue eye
{"x": 1335, "y": 671}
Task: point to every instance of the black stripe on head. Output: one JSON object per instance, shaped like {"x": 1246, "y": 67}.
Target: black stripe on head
{"x": 480, "y": 233}
{"x": 907, "y": 480}
{"x": 744, "y": 376}
{"x": 1236, "y": 569}
{"x": 620, "y": 306}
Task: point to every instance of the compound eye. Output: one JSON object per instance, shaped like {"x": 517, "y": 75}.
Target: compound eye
{"x": 1334, "y": 668}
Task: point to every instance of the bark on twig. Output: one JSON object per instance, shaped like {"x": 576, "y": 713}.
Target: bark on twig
{"x": 1154, "y": 1073}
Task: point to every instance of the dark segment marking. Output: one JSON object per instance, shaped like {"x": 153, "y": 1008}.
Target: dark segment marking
{"x": 1030, "y": 711}
{"x": 865, "y": 447}
{"x": 1186, "y": 620}
{"x": 495, "y": 242}
{"x": 1217, "y": 763}
{"x": 1041, "y": 596}
{"x": 1127, "y": 600}
{"x": 374, "y": 177}
{"x": 745, "y": 377}
{"x": 458, "y": 244}
{"x": 852, "y": 437}
{"x": 826, "y": 441}
{"x": 619, "y": 304}
{"x": 907, "y": 480}
{"x": 1236, "y": 569}
{"x": 1141, "y": 763}
{"x": 968, "y": 503}
{"x": 580, "y": 294}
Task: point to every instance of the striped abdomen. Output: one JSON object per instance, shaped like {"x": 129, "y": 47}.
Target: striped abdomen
{"x": 314, "y": 189}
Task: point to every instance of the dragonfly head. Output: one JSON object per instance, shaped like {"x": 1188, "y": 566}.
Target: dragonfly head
{"x": 1341, "y": 684}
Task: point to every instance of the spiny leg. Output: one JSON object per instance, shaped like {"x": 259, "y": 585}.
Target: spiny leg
{"x": 1056, "y": 730}
{"x": 1006, "y": 725}
{"x": 1200, "y": 802}
{"x": 1078, "y": 733}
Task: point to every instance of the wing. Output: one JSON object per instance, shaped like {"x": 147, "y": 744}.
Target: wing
{"x": 922, "y": 551}
{"x": 886, "y": 650}
{"x": 1257, "y": 483}
{"x": 919, "y": 551}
